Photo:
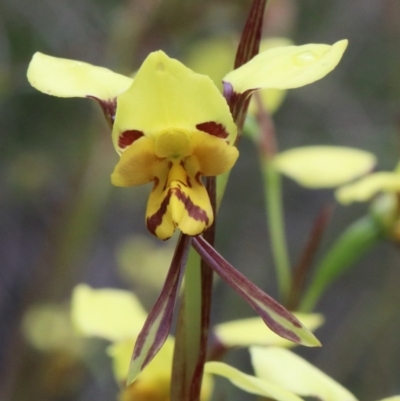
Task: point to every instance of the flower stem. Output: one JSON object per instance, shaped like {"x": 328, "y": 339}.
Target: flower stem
{"x": 273, "y": 199}
{"x": 187, "y": 334}
{"x": 193, "y": 323}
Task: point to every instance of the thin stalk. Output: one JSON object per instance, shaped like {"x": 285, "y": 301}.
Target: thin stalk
{"x": 206, "y": 296}
{"x": 274, "y": 209}
{"x": 188, "y": 333}
{"x": 194, "y": 316}
{"x": 303, "y": 267}
{"x": 266, "y": 142}
{"x": 193, "y": 324}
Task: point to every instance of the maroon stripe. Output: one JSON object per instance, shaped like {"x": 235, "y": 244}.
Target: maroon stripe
{"x": 194, "y": 211}
{"x": 155, "y": 220}
{"x": 213, "y": 128}
{"x": 128, "y": 137}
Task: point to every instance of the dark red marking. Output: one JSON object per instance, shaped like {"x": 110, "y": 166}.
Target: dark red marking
{"x": 128, "y": 137}
{"x": 155, "y": 220}
{"x": 193, "y": 210}
{"x": 214, "y": 129}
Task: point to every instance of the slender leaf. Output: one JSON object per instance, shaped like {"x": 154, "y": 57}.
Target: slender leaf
{"x": 356, "y": 240}
{"x": 301, "y": 270}
{"x": 194, "y": 319}
{"x": 275, "y": 316}
{"x": 158, "y": 323}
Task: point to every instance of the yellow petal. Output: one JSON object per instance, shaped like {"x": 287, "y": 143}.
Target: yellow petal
{"x": 107, "y": 313}
{"x": 70, "y": 78}
{"x": 138, "y": 164}
{"x": 178, "y": 200}
{"x": 250, "y": 384}
{"x": 253, "y": 331}
{"x": 365, "y": 188}
{"x": 393, "y": 398}
{"x": 271, "y": 99}
{"x": 212, "y": 155}
{"x": 324, "y": 166}
{"x": 287, "y": 67}
{"x": 287, "y": 370}
{"x": 154, "y": 381}
{"x": 166, "y": 95}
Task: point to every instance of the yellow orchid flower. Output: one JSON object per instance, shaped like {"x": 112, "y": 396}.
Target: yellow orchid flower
{"x": 284, "y": 376}
{"x": 172, "y": 126}
{"x": 118, "y": 316}
{"x": 334, "y": 167}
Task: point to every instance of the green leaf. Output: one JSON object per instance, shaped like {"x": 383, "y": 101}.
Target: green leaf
{"x": 351, "y": 246}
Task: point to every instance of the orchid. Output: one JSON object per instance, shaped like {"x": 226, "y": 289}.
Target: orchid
{"x": 117, "y": 316}
{"x": 349, "y": 172}
{"x": 313, "y": 167}
{"x": 172, "y": 126}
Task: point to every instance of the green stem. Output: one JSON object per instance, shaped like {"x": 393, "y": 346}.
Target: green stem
{"x": 194, "y": 320}
{"x": 356, "y": 240}
{"x": 273, "y": 199}
{"x": 188, "y": 332}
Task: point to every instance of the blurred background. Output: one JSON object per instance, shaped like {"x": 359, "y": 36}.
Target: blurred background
{"x": 62, "y": 222}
